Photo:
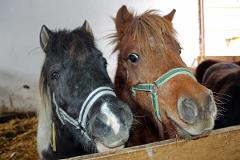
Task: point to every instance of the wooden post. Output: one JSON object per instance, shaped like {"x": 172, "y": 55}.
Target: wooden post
{"x": 201, "y": 31}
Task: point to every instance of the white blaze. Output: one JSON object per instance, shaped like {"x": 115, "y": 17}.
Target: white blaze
{"x": 112, "y": 120}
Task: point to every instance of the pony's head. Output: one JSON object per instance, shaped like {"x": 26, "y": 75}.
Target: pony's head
{"x": 223, "y": 78}
{"x": 202, "y": 67}
{"x": 151, "y": 67}
{"x": 74, "y": 83}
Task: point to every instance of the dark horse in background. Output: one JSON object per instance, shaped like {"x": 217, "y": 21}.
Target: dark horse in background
{"x": 80, "y": 113}
{"x": 223, "y": 78}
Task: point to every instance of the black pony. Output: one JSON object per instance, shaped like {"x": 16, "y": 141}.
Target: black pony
{"x": 80, "y": 112}
{"x": 223, "y": 78}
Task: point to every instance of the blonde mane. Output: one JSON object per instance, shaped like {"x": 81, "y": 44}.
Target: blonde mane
{"x": 44, "y": 116}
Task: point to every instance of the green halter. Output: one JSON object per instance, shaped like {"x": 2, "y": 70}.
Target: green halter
{"x": 151, "y": 87}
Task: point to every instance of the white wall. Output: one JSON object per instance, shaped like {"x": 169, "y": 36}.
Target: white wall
{"x": 20, "y": 22}
{"x": 222, "y": 27}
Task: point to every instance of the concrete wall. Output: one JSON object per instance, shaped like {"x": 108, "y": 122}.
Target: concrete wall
{"x": 20, "y": 22}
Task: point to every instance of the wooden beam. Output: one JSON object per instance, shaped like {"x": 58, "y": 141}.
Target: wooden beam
{"x": 221, "y": 58}
{"x": 220, "y": 145}
{"x": 201, "y": 28}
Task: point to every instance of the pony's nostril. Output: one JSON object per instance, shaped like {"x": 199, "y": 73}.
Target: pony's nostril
{"x": 188, "y": 110}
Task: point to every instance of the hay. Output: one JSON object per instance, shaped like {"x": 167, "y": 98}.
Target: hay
{"x": 18, "y": 139}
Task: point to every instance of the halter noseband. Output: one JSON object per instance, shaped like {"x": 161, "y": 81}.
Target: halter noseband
{"x": 87, "y": 104}
{"x": 152, "y": 87}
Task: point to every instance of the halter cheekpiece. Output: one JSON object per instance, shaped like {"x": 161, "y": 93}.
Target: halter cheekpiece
{"x": 152, "y": 87}
{"x": 87, "y": 104}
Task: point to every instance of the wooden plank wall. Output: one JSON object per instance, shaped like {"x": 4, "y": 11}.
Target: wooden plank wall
{"x": 221, "y": 58}
{"x": 223, "y": 144}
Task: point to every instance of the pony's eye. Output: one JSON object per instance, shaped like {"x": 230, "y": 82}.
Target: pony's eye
{"x": 55, "y": 76}
{"x": 180, "y": 50}
{"x": 133, "y": 57}
{"x": 105, "y": 63}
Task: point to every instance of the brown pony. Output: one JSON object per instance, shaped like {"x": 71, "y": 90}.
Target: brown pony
{"x": 164, "y": 103}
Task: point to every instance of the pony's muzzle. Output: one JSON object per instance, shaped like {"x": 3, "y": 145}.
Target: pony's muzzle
{"x": 110, "y": 132}
{"x": 191, "y": 111}
{"x": 211, "y": 106}
{"x": 111, "y": 125}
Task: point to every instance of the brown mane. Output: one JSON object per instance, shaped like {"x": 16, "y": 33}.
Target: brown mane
{"x": 149, "y": 24}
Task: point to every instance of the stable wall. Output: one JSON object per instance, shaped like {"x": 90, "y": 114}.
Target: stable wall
{"x": 20, "y": 22}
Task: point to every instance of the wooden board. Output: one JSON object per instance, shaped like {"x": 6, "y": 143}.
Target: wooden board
{"x": 222, "y": 144}
{"x": 221, "y": 58}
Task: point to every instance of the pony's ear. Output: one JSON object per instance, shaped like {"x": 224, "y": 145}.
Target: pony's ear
{"x": 86, "y": 27}
{"x": 123, "y": 19}
{"x": 170, "y": 15}
{"x": 45, "y": 35}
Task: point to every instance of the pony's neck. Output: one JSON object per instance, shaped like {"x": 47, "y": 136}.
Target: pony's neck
{"x": 65, "y": 143}
{"x": 65, "y": 146}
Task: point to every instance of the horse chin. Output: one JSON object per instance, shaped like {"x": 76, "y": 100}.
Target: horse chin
{"x": 191, "y": 131}
{"x": 102, "y": 148}
{"x": 180, "y": 131}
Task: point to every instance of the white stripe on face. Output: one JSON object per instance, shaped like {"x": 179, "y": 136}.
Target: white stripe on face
{"x": 112, "y": 120}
